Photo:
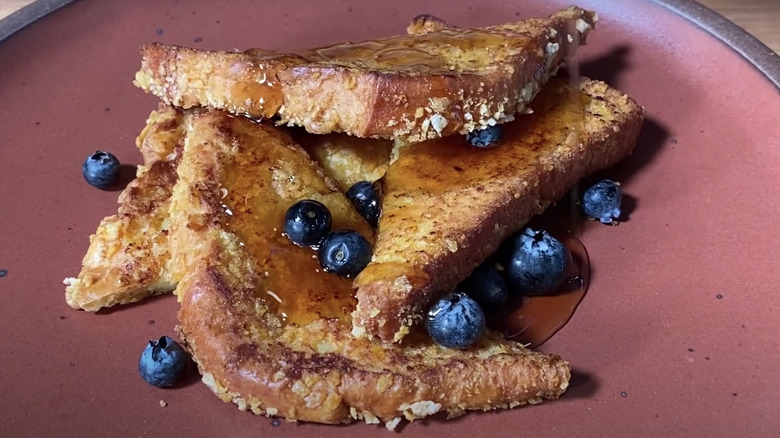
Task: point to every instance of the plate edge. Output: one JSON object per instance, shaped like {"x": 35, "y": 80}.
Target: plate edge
{"x": 754, "y": 51}
{"x": 28, "y": 14}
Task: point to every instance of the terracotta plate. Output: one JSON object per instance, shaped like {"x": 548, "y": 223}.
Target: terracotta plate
{"x": 678, "y": 335}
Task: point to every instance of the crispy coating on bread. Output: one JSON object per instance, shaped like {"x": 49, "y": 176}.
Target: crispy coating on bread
{"x": 347, "y": 159}
{"x": 445, "y": 208}
{"x": 254, "y": 355}
{"x": 127, "y": 259}
{"x": 439, "y": 82}
{"x": 425, "y": 23}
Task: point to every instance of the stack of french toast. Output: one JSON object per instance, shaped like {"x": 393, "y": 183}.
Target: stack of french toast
{"x": 241, "y": 136}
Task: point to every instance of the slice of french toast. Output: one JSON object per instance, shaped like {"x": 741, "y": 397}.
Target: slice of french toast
{"x": 447, "y": 205}
{"x": 128, "y": 254}
{"x": 437, "y": 81}
{"x": 270, "y": 331}
{"x": 128, "y": 259}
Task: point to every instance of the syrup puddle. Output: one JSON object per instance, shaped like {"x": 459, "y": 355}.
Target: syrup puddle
{"x": 534, "y": 320}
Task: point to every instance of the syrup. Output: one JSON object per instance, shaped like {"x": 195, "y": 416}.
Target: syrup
{"x": 437, "y": 52}
{"x": 269, "y": 175}
{"x": 534, "y": 320}
{"x": 451, "y": 164}
{"x": 266, "y": 85}
{"x": 520, "y": 159}
{"x": 434, "y": 53}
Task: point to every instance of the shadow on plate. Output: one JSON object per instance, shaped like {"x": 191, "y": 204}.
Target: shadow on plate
{"x": 608, "y": 67}
{"x": 126, "y": 174}
{"x": 191, "y": 377}
{"x": 651, "y": 140}
{"x": 581, "y": 385}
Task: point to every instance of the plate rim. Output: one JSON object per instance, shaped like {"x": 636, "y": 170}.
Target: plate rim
{"x": 758, "y": 54}
{"x": 745, "y": 44}
{"x": 34, "y": 11}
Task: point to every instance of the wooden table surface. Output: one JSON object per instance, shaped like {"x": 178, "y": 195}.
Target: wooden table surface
{"x": 759, "y": 17}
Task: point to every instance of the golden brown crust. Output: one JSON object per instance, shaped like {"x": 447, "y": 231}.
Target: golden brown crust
{"x": 128, "y": 254}
{"x": 162, "y": 134}
{"x": 471, "y": 200}
{"x": 128, "y": 258}
{"x": 452, "y": 80}
{"x": 347, "y": 159}
{"x": 425, "y": 23}
{"x": 312, "y": 371}
{"x": 283, "y": 373}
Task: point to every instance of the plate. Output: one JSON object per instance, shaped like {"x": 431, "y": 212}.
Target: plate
{"x": 678, "y": 333}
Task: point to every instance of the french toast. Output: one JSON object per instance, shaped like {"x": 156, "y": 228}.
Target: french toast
{"x": 128, "y": 258}
{"x": 270, "y": 331}
{"x": 276, "y": 340}
{"x": 446, "y": 205}
{"x": 437, "y": 81}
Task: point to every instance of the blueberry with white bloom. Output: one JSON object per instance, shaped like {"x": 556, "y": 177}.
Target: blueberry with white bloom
{"x": 307, "y": 222}
{"x": 101, "y": 170}
{"x": 602, "y": 201}
{"x": 163, "y": 362}
{"x": 344, "y": 253}
{"x": 455, "y": 321}
{"x": 538, "y": 263}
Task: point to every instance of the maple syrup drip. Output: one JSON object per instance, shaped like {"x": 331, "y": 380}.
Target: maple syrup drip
{"x": 578, "y": 101}
{"x": 572, "y": 65}
{"x": 534, "y": 320}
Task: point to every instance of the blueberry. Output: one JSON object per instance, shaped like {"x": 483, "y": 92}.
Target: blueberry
{"x": 486, "y": 286}
{"x": 602, "y": 201}
{"x": 366, "y": 201}
{"x": 163, "y": 362}
{"x": 101, "y": 169}
{"x": 344, "y": 253}
{"x": 538, "y": 263}
{"x": 307, "y": 222}
{"x": 484, "y": 137}
{"x": 455, "y": 321}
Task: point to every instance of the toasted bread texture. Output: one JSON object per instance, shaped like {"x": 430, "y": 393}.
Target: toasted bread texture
{"x": 347, "y": 159}
{"x": 270, "y": 331}
{"x": 439, "y": 81}
{"x": 446, "y": 207}
{"x": 127, "y": 259}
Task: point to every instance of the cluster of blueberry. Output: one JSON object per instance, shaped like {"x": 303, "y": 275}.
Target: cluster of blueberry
{"x": 341, "y": 252}
{"x": 535, "y": 263}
